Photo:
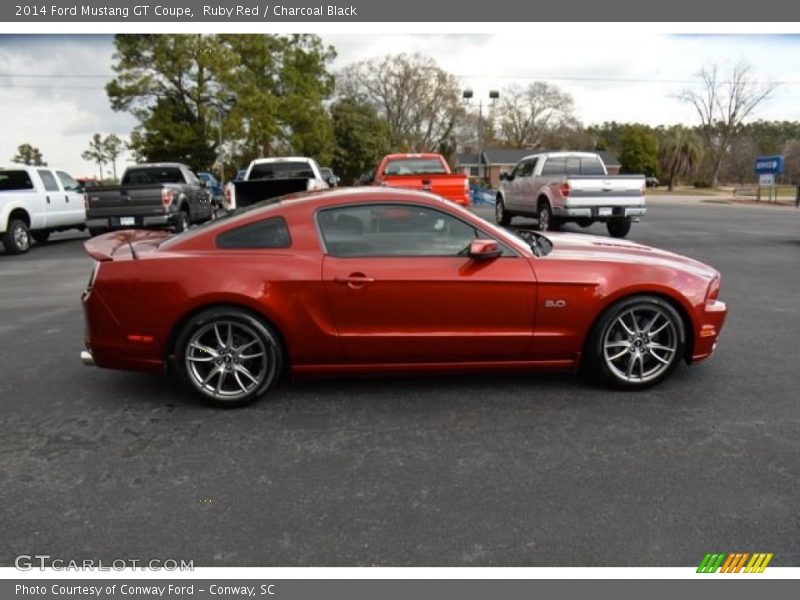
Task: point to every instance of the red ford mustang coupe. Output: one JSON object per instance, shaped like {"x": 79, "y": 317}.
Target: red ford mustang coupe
{"x": 379, "y": 280}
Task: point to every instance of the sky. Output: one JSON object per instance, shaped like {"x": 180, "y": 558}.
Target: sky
{"x": 52, "y": 86}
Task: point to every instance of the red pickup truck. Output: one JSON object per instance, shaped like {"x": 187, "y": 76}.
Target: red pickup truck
{"x": 426, "y": 172}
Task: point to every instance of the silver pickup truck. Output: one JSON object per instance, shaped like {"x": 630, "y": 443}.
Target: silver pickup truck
{"x": 561, "y": 187}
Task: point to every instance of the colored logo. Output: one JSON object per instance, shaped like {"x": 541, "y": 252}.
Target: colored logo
{"x": 734, "y": 562}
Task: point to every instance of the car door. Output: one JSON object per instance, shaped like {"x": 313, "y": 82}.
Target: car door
{"x": 512, "y": 187}
{"x": 56, "y": 205}
{"x": 526, "y": 198}
{"x": 199, "y": 196}
{"x": 75, "y": 213}
{"x": 402, "y": 290}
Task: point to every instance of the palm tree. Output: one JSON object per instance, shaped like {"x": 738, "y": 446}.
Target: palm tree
{"x": 679, "y": 153}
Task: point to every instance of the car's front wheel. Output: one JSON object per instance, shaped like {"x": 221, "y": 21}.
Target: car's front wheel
{"x": 228, "y": 356}
{"x": 17, "y": 238}
{"x": 636, "y": 343}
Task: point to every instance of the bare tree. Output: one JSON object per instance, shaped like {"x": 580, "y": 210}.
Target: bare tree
{"x": 526, "y": 114}
{"x": 420, "y": 102}
{"x": 723, "y": 101}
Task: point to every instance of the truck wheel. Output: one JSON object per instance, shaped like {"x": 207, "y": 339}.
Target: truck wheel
{"x": 181, "y": 221}
{"x": 41, "y": 236}
{"x": 546, "y": 220}
{"x": 17, "y": 238}
{"x": 618, "y": 228}
{"x": 501, "y": 216}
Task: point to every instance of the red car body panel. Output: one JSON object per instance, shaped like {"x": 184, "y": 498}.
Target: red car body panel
{"x": 383, "y": 313}
{"x": 449, "y": 185}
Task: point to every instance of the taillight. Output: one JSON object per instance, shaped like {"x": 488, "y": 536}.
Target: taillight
{"x": 564, "y": 188}
{"x": 713, "y": 289}
{"x": 166, "y": 197}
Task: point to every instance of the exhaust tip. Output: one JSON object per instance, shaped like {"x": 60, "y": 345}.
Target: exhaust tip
{"x": 87, "y": 359}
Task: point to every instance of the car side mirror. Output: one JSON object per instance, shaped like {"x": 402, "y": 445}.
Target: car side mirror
{"x": 484, "y": 249}
{"x": 333, "y": 180}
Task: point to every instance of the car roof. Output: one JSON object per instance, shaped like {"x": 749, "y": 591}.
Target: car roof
{"x": 564, "y": 154}
{"x": 274, "y": 159}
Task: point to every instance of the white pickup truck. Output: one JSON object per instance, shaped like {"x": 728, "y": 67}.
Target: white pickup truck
{"x": 267, "y": 178}
{"x": 36, "y": 201}
{"x": 561, "y": 187}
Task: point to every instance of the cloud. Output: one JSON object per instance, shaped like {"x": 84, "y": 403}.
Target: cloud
{"x": 56, "y": 99}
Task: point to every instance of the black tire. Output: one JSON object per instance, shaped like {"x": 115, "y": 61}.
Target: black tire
{"x": 17, "y": 237}
{"x": 613, "y": 352}
{"x": 95, "y": 231}
{"x": 230, "y": 372}
{"x": 545, "y": 217}
{"x": 501, "y": 216}
{"x": 618, "y": 228}
{"x": 182, "y": 221}
{"x": 584, "y": 223}
{"x": 41, "y": 236}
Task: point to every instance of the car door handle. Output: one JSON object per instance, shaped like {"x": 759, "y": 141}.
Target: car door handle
{"x": 354, "y": 280}
{"x": 48, "y": 199}
{"x": 66, "y": 198}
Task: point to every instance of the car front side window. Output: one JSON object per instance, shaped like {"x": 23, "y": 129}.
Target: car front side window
{"x": 393, "y": 230}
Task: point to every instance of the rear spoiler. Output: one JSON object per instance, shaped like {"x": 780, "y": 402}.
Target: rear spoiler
{"x": 103, "y": 247}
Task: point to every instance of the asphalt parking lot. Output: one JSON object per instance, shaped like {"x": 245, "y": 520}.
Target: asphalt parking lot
{"x": 543, "y": 470}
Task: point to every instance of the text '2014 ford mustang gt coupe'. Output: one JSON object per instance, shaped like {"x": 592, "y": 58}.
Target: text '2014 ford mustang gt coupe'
{"x": 384, "y": 280}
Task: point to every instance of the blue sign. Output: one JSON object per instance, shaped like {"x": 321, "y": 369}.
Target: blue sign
{"x": 766, "y": 165}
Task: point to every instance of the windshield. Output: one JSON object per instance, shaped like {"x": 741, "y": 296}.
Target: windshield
{"x": 539, "y": 244}
{"x": 414, "y": 166}
{"x": 281, "y": 170}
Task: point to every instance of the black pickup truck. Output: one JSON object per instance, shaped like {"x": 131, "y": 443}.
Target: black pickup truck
{"x": 152, "y": 195}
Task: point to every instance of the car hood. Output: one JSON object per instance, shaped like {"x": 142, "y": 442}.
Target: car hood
{"x": 593, "y": 247}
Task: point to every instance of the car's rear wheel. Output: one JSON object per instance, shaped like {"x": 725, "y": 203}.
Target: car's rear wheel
{"x": 619, "y": 228}
{"x": 17, "y": 238}
{"x": 228, "y": 356}
{"x": 636, "y": 343}
{"x": 546, "y": 220}
{"x": 182, "y": 221}
{"x": 501, "y": 216}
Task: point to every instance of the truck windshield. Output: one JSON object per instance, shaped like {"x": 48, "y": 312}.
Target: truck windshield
{"x": 281, "y": 170}
{"x": 14, "y": 181}
{"x": 152, "y": 176}
{"x": 414, "y": 166}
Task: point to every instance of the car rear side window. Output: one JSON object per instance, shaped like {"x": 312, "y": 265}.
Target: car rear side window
{"x": 554, "y": 166}
{"x": 48, "y": 180}
{"x": 12, "y": 181}
{"x": 269, "y": 233}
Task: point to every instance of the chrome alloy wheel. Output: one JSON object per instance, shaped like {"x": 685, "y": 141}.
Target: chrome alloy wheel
{"x": 640, "y": 344}
{"x": 499, "y": 212}
{"x": 228, "y": 360}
